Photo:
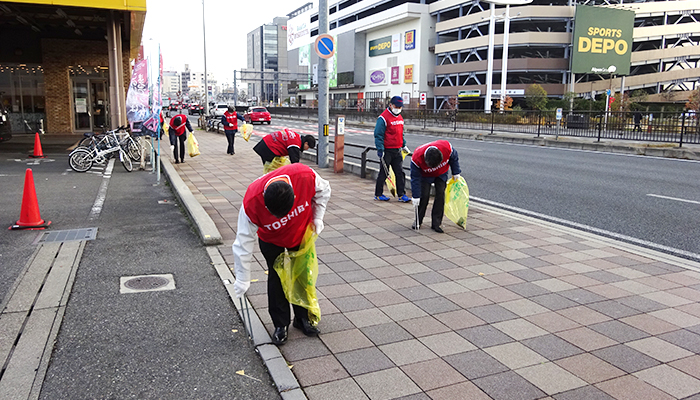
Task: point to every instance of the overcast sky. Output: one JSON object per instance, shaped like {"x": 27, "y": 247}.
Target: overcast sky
{"x": 177, "y": 26}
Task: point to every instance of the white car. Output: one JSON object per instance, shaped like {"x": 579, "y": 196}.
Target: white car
{"x": 219, "y": 109}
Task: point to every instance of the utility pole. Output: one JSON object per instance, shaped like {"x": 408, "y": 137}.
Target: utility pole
{"x": 235, "y": 90}
{"x": 322, "y": 150}
{"x": 206, "y": 82}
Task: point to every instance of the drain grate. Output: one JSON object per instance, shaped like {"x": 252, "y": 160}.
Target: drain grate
{"x": 146, "y": 283}
{"x": 71, "y": 235}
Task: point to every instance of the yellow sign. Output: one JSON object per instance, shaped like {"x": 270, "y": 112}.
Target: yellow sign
{"x": 126, "y": 5}
{"x": 408, "y": 73}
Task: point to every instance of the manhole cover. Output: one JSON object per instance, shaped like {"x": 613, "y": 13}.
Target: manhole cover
{"x": 71, "y": 235}
{"x": 146, "y": 283}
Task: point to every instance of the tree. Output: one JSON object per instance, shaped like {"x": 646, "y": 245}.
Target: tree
{"x": 507, "y": 104}
{"x": 536, "y": 97}
{"x": 620, "y": 102}
{"x": 242, "y": 95}
{"x": 693, "y": 102}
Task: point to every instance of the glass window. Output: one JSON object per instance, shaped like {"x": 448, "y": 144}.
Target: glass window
{"x": 22, "y": 92}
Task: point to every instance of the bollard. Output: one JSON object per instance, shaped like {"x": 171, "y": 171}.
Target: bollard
{"x": 339, "y": 142}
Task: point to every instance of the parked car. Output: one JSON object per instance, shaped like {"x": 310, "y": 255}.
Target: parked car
{"x": 196, "y": 109}
{"x": 257, "y": 114}
{"x": 218, "y": 110}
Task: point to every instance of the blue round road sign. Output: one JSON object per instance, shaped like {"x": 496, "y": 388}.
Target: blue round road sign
{"x": 325, "y": 46}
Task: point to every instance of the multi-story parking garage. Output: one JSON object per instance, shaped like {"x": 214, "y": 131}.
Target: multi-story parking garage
{"x": 664, "y": 56}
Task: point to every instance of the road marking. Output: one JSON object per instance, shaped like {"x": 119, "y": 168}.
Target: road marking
{"x": 673, "y": 198}
{"x": 588, "y": 228}
{"x": 102, "y": 193}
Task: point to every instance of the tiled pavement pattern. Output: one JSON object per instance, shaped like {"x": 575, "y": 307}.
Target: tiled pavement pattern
{"x": 512, "y": 308}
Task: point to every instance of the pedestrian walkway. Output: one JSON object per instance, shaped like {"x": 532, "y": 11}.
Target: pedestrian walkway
{"x": 510, "y": 308}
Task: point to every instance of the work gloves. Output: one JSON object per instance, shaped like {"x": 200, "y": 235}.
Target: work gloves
{"x": 240, "y": 288}
{"x": 405, "y": 149}
{"x": 456, "y": 177}
{"x": 318, "y": 224}
{"x": 380, "y": 153}
{"x": 415, "y": 202}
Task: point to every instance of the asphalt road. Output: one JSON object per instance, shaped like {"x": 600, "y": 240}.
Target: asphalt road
{"x": 655, "y": 201}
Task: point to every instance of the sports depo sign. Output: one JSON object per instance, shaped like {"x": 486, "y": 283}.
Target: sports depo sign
{"x": 602, "y": 41}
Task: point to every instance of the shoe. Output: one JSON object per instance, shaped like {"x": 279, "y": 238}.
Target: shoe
{"x": 404, "y": 199}
{"x": 177, "y": 162}
{"x": 382, "y": 198}
{"x": 279, "y": 337}
{"x": 413, "y": 226}
{"x": 438, "y": 229}
{"x": 305, "y": 327}
{"x": 182, "y": 161}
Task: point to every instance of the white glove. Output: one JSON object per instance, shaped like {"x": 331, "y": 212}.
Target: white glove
{"x": 240, "y": 288}
{"x": 405, "y": 149}
{"x": 230, "y": 124}
{"x": 456, "y": 177}
{"x": 318, "y": 223}
{"x": 172, "y": 147}
{"x": 415, "y": 202}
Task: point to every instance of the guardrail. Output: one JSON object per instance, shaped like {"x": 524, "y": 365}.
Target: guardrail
{"x": 668, "y": 127}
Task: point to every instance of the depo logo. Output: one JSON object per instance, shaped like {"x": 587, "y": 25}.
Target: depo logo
{"x": 602, "y": 40}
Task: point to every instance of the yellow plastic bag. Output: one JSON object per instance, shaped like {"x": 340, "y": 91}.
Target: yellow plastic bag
{"x": 246, "y": 131}
{"x": 192, "y": 145}
{"x": 391, "y": 182}
{"x": 457, "y": 201}
{"x": 298, "y": 271}
{"x": 276, "y": 163}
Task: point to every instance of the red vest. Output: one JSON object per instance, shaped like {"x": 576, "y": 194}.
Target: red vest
{"x": 179, "y": 130}
{"x": 418, "y": 158}
{"x": 287, "y": 231}
{"x": 231, "y": 119}
{"x": 280, "y": 140}
{"x": 393, "y": 136}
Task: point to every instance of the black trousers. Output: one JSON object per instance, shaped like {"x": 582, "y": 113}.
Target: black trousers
{"x": 392, "y": 158}
{"x": 438, "y": 203}
{"x": 181, "y": 141}
{"x": 278, "y": 306}
{"x": 230, "y": 135}
{"x": 264, "y": 152}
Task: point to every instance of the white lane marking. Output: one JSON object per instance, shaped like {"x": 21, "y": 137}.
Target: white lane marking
{"x": 588, "y": 228}
{"x": 673, "y": 198}
{"x": 102, "y": 193}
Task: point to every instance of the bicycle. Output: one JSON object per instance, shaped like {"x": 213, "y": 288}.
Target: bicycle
{"x": 82, "y": 158}
{"x": 124, "y": 137}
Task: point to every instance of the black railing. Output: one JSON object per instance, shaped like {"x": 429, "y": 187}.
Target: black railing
{"x": 669, "y": 127}
{"x": 362, "y": 157}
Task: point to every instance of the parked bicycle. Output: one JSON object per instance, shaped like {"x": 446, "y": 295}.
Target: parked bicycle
{"x": 124, "y": 137}
{"x": 83, "y": 157}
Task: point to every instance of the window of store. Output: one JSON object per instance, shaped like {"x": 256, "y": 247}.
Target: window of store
{"x": 374, "y": 100}
{"x": 22, "y": 93}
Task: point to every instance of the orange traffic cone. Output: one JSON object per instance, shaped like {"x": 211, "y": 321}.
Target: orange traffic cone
{"x": 38, "y": 153}
{"x": 29, "y": 216}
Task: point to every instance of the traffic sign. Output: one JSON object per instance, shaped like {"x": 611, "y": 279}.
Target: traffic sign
{"x": 325, "y": 46}
{"x": 559, "y": 112}
{"x": 423, "y": 97}
{"x": 607, "y": 92}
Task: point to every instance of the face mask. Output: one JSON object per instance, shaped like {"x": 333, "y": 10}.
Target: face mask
{"x": 395, "y": 111}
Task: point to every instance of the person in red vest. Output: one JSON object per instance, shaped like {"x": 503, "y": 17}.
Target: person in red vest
{"x": 230, "y": 122}
{"x": 278, "y": 207}
{"x": 429, "y": 165}
{"x": 389, "y": 140}
{"x": 284, "y": 143}
{"x": 179, "y": 125}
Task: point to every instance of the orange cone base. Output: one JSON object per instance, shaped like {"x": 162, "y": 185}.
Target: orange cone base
{"x": 33, "y": 156}
{"x": 40, "y": 226}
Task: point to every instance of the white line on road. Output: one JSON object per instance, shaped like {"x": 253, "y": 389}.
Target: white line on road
{"x": 588, "y": 228}
{"x": 673, "y": 198}
{"x": 102, "y": 193}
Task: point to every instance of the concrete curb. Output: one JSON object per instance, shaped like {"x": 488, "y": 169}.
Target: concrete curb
{"x": 277, "y": 366}
{"x": 205, "y": 226}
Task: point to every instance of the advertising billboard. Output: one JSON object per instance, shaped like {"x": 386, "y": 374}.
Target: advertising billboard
{"x": 377, "y": 77}
{"x": 602, "y": 41}
{"x": 298, "y": 31}
{"x": 410, "y": 40}
{"x": 380, "y": 46}
{"x": 408, "y": 73}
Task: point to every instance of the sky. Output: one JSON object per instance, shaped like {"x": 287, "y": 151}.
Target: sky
{"x": 177, "y": 26}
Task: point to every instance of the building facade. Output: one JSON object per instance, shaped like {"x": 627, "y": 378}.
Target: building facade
{"x": 664, "y": 55}
{"x": 65, "y": 64}
{"x": 267, "y": 58}
{"x": 171, "y": 84}
{"x": 383, "y": 49}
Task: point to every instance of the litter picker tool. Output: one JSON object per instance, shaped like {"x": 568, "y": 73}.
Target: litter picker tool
{"x": 417, "y": 219}
{"x": 247, "y": 325}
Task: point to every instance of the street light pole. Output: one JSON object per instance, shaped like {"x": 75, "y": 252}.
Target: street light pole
{"x": 206, "y": 81}
{"x": 489, "y": 58}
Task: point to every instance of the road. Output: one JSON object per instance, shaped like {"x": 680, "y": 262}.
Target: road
{"x": 652, "y": 201}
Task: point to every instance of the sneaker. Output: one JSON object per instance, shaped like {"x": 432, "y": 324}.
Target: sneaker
{"x": 404, "y": 199}
{"x": 382, "y": 198}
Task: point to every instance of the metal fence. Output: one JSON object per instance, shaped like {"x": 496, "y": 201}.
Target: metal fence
{"x": 665, "y": 127}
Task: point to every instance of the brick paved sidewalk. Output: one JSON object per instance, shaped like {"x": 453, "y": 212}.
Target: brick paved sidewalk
{"x": 511, "y": 308}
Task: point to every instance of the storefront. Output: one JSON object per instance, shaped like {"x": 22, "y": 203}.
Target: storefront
{"x": 65, "y": 66}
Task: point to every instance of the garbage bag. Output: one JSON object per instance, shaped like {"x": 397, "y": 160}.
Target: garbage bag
{"x": 457, "y": 201}
{"x": 192, "y": 145}
{"x": 275, "y": 163}
{"x": 298, "y": 271}
{"x": 246, "y": 131}
{"x": 391, "y": 182}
